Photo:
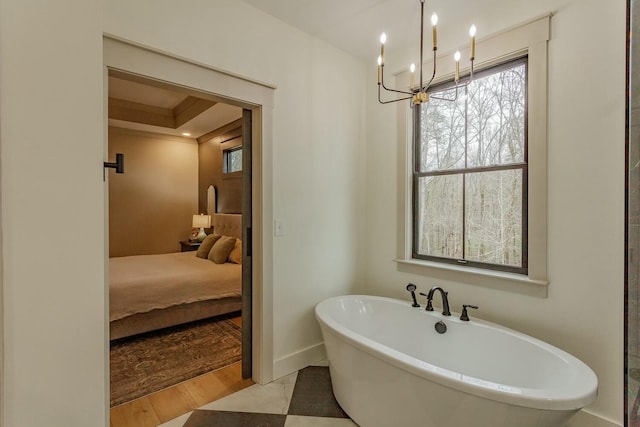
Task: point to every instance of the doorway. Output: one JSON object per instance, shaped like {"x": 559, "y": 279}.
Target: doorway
{"x": 175, "y": 143}
{"x": 256, "y": 102}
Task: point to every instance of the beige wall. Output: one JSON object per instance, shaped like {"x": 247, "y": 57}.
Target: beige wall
{"x": 228, "y": 188}
{"x": 152, "y": 203}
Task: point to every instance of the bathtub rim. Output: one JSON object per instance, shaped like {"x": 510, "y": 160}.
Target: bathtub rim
{"x": 557, "y": 398}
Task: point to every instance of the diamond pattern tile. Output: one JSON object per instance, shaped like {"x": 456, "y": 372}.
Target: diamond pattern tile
{"x": 302, "y": 399}
{"x": 313, "y": 395}
{"x": 201, "y": 418}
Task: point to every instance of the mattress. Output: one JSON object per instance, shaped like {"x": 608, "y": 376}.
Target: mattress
{"x": 142, "y": 283}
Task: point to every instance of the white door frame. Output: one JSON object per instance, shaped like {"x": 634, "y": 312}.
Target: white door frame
{"x": 2, "y": 395}
{"x": 236, "y": 90}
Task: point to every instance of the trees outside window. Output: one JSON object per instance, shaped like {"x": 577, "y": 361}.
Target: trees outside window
{"x": 232, "y": 160}
{"x": 470, "y": 171}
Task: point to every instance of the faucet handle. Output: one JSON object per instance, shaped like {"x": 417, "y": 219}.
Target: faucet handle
{"x": 429, "y": 306}
{"x": 464, "y": 316}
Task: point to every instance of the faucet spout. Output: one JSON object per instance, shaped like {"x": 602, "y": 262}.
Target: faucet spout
{"x": 445, "y": 300}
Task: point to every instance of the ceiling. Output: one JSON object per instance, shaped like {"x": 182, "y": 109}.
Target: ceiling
{"x": 351, "y": 25}
{"x": 355, "y": 25}
{"x": 148, "y": 106}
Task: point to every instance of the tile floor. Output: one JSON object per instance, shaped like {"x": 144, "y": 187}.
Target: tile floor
{"x": 302, "y": 399}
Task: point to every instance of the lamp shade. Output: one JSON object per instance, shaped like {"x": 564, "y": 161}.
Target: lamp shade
{"x": 201, "y": 221}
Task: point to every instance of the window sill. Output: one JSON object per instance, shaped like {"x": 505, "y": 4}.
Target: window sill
{"x": 508, "y": 282}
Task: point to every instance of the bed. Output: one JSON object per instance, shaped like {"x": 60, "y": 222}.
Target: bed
{"x": 149, "y": 292}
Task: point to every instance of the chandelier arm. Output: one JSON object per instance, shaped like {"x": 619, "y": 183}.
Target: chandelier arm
{"x": 442, "y": 98}
{"x": 445, "y": 99}
{"x": 390, "y": 101}
{"x": 433, "y": 76}
{"x": 393, "y": 100}
{"x": 389, "y": 89}
{"x": 397, "y": 91}
{"x": 457, "y": 87}
{"x": 462, "y": 83}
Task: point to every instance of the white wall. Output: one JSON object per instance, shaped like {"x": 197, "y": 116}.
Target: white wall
{"x": 318, "y": 137}
{"x": 583, "y": 313}
{"x": 51, "y": 77}
{"x": 51, "y": 136}
{"x": 52, "y": 141}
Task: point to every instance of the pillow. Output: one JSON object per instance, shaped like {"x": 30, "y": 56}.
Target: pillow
{"x": 206, "y": 245}
{"x": 235, "y": 256}
{"x": 221, "y": 249}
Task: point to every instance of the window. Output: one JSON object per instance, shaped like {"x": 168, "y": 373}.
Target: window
{"x": 232, "y": 159}
{"x": 470, "y": 172}
{"x": 528, "y": 40}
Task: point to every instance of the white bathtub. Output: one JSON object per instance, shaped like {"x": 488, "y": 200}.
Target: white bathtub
{"x": 389, "y": 367}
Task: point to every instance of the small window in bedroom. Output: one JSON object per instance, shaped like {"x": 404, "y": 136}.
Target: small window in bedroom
{"x": 232, "y": 159}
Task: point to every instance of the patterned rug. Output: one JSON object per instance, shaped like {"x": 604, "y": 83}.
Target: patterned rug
{"x": 151, "y": 362}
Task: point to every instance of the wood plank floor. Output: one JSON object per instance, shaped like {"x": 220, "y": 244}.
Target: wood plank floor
{"x": 164, "y": 405}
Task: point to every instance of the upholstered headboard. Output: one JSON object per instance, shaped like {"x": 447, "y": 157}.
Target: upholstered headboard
{"x": 228, "y": 225}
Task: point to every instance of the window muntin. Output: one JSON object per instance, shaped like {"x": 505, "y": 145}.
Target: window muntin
{"x": 470, "y": 178}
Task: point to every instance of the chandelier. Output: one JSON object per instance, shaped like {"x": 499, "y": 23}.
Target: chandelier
{"x": 419, "y": 94}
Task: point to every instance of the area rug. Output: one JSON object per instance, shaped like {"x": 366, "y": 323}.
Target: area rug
{"x": 151, "y": 362}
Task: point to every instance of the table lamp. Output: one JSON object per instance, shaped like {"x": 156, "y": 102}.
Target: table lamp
{"x": 201, "y": 221}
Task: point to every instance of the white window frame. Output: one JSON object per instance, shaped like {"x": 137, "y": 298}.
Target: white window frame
{"x": 530, "y": 39}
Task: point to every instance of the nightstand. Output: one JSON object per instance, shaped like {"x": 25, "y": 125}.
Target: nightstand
{"x": 187, "y": 245}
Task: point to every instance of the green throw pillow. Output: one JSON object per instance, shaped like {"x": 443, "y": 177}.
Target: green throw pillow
{"x": 206, "y": 245}
{"x": 221, "y": 249}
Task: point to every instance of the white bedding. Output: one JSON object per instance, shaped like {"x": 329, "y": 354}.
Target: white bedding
{"x": 141, "y": 283}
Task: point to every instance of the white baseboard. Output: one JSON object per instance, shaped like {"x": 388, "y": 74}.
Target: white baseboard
{"x": 298, "y": 360}
{"x": 588, "y": 419}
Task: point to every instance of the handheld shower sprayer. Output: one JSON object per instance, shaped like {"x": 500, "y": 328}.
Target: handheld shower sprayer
{"x": 412, "y": 288}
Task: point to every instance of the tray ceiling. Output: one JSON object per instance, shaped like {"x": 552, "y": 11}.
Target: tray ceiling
{"x": 145, "y": 106}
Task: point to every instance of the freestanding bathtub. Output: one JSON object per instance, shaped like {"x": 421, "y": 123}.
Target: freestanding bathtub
{"x": 389, "y": 367}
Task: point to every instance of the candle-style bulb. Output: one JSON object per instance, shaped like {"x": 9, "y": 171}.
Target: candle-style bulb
{"x": 383, "y": 40}
{"x": 379, "y": 60}
{"x": 456, "y": 56}
{"x": 412, "y": 68}
{"x": 472, "y": 34}
{"x": 434, "y": 23}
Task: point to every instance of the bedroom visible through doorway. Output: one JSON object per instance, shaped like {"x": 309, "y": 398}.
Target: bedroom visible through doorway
{"x": 173, "y": 296}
